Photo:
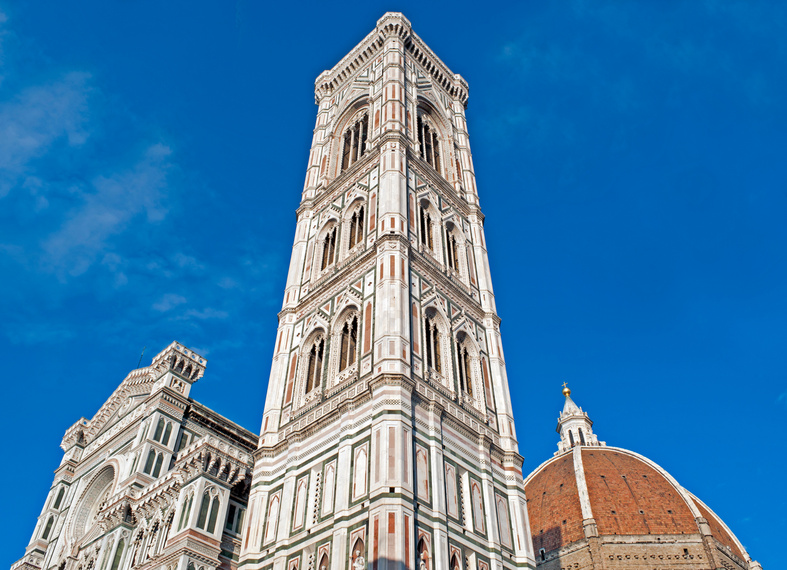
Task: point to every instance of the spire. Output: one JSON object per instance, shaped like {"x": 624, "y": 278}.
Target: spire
{"x": 574, "y": 425}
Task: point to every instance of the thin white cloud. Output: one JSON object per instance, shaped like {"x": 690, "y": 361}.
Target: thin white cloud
{"x": 168, "y": 301}
{"x": 36, "y": 118}
{"x": 106, "y": 211}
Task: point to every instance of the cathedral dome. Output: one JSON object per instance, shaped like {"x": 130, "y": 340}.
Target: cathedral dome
{"x": 591, "y": 501}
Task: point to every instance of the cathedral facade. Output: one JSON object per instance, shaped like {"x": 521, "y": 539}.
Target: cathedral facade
{"x": 387, "y": 439}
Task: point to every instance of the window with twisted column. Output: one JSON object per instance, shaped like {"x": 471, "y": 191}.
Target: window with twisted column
{"x": 453, "y": 247}
{"x": 348, "y": 343}
{"x": 434, "y": 346}
{"x": 425, "y": 223}
{"x": 355, "y": 229}
{"x": 328, "y": 249}
{"x": 354, "y": 140}
{"x": 428, "y": 142}
{"x": 464, "y": 368}
{"x": 314, "y": 365}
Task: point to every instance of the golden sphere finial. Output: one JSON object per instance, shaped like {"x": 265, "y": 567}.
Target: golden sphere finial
{"x": 566, "y": 390}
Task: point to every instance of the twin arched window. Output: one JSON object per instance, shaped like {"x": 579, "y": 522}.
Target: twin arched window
{"x": 452, "y": 251}
{"x": 349, "y": 343}
{"x": 314, "y": 368}
{"x": 465, "y": 370}
{"x": 163, "y": 431}
{"x": 426, "y": 228}
{"x": 354, "y": 143}
{"x": 329, "y": 249}
{"x": 432, "y": 343}
{"x": 153, "y": 463}
{"x": 186, "y": 512}
{"x": 213, "y": 506}
{"x": 356, "y": 227}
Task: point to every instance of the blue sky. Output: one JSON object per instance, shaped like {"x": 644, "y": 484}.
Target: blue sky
{"x": 630, "y": 163}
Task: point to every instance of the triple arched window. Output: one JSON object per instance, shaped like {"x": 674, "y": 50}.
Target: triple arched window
{"x": 314, "y": 367}
{"x": 428, "y": 143}
{"x": 354, "y": 141}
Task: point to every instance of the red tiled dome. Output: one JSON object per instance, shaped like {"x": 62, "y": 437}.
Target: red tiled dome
{"x": 624, "y": 493}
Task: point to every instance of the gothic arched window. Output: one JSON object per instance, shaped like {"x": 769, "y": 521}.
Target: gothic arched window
{"x": 452, "y": 247}
{"x": 314, "y": 368}
{"x": 465, "y": 369}
{"x": 328, "y": 249}
{"x": 118, "y": 555}
{"x": 356, "y": 227}
{"x": 159, "y": 429}
{"x": 426, "y": 227}
{"x": 432, "y": 342}
{"x": 214, "y": 513}
{"x": 203, "y": 510}
{"x": 185, "y": 514}
{"x": 58, "y": 499}
{"x": 149, "y": 463}
{"x": 349, "y": 343}
{"x": 167, "y": 432}
{"x": 354, "y": 141}
{"x": 48, "y": 528}
{"x": 428, "y": 143}
{"x": 157, "y": 468}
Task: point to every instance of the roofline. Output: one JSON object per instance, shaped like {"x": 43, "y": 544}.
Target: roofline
{"x": 391, "y": 24}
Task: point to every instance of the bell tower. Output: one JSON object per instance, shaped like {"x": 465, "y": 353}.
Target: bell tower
{"x": 388, "y": 440}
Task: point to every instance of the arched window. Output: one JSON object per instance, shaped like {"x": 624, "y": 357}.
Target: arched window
{"x": 149, "y": 463}
{"x": 48, "y": 528}
{"x": 118, "y": 555}
{"x": 214, "y": 513}
{"x": 59, "y": 498}
{"x": 159, "y": 429}
{"x": 314, "y": 368}
{"x": 329, "y": 249}
{"x": 349, "y": 343}
{"x": 581, "y": 437}
{"x": 571, "y": 437}
{"x": 452, "y": 253}
{"x": 432, "y": 342}
{"x": 356, "y": 227}
{"x": 428, "y": 143}
{"x": 426, "y": 227}
{"x": 465, "y": 370}
{"x": 455, "y": 565}
{"x": 354, "y": 141}
{"x": 186, "y": 512}
{"x": 203, "y": 511}
{"x": 157, "y": 468}
{"x": 167, "y": 432}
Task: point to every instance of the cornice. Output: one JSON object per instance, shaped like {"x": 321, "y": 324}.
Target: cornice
{"x": 392, "y": 24}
